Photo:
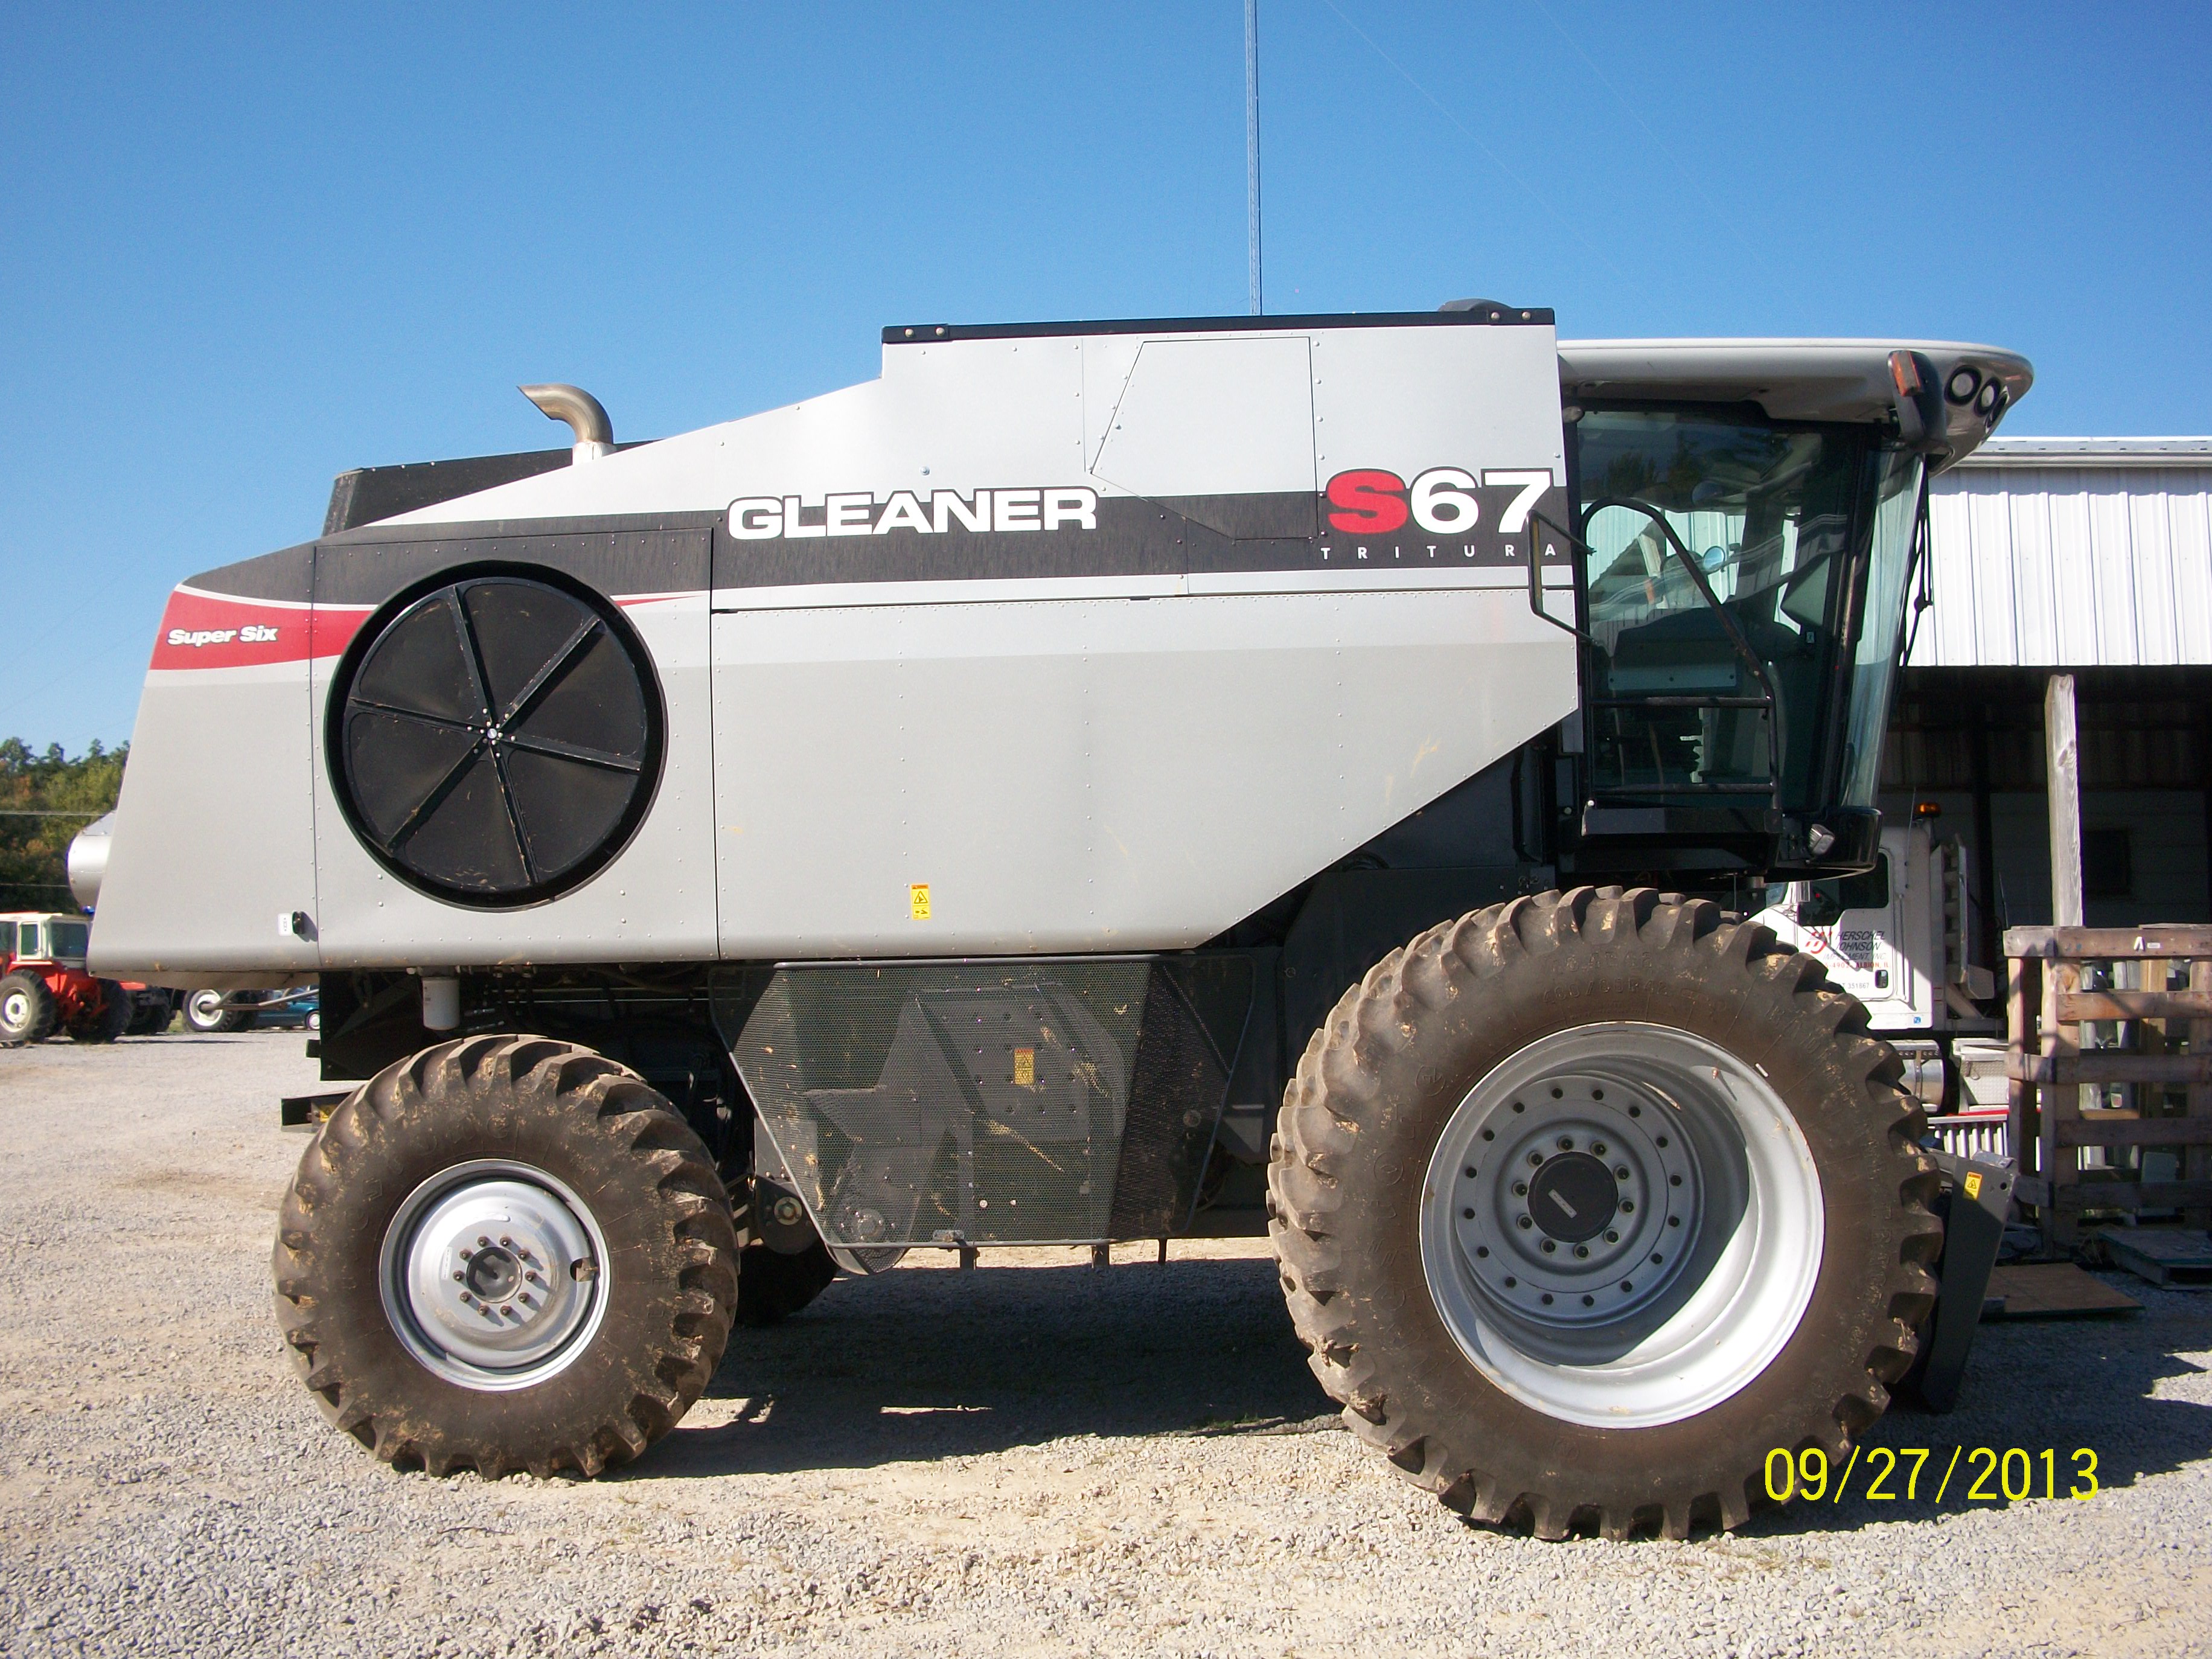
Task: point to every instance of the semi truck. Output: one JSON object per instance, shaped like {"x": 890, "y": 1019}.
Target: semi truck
{"x": 1295, "y": 776}
{"x": 1900, "y": 937}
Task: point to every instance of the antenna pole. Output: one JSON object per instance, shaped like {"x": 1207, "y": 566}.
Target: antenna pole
{"x": 1252, "y": 142}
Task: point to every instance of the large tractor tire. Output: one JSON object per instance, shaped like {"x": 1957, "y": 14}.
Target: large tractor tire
{"x": 205, "y": 1013}
{"x": 1587, "y": 1202}
{"x": 27, "y": 1010}
{"x": 506, "y": 1253}
{"x": 108, "y": 1022}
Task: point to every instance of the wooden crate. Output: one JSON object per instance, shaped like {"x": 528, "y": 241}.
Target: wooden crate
{"x": 2049, "y": 1064}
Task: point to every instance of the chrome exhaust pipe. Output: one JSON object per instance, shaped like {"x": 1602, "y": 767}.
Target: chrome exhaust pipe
{"x": 585, "y": 415}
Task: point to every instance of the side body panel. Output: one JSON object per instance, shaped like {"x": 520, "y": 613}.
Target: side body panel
{"x": 212, "y": 849}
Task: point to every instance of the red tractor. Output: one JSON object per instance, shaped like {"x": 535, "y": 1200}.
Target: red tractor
{"x": 44, "y": 984}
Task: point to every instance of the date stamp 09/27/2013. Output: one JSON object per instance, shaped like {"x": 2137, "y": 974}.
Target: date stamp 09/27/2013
{"x": 1990, "y": 1475}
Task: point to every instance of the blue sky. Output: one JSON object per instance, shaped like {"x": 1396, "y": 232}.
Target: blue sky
{"x": 242, "y": 249}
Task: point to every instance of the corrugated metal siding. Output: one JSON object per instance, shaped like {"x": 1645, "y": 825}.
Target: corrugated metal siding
{"x": 2058, "y": 566}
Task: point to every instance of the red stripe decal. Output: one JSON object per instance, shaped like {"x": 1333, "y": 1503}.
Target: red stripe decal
{"x": 213, "y": 631}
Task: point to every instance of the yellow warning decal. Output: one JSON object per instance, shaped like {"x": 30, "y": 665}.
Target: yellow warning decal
{"x": 1025, "y": 1068}
{"x": 917, "y": 900}
{"x": 1973, "y": 1183}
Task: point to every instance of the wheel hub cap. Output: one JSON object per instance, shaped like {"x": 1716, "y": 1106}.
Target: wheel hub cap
{"x": 1573, "y": 1197}
{"x": 493, "y": 1275}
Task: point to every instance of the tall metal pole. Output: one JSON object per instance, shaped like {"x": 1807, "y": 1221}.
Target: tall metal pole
{"x": 1252, "y": 141}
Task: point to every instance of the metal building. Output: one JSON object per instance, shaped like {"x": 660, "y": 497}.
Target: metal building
{"x": 2088, "y": 555}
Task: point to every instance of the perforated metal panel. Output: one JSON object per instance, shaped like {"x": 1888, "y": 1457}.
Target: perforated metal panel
{"x": 989, "y": 1102}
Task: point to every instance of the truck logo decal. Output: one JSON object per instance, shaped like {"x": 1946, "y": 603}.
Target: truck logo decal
{"x": 859, "y": 512}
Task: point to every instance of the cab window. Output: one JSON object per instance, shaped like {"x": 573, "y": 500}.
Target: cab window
{"x": 1824, "y": 902}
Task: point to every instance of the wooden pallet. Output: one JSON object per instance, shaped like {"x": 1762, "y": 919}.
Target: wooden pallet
{"x": 2167, "y": 1256}
{"x": 2048, "y": 1062}
{"x": 2052, "y": 1290}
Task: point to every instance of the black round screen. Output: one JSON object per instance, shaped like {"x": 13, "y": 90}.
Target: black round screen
{"x": 497, "y": 740}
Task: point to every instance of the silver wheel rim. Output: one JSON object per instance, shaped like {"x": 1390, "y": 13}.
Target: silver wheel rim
{"x": 1622, "y": 1225}
{"x": 204, "y": 1007}
{"x": 494, "y": 1274}
{"x": 16, "y": 1010}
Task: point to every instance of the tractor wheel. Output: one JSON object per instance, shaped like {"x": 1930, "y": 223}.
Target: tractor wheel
{"x": 1588, "y": 1202}
{"x": 27, "y": 1010}
{"x": 151, "y": 1013}
{"x": 772, "y": 1286}
{"x": 506, "y": 1253}
{"x": 110, "y": 1021}
{"x": 205, "y": 1013}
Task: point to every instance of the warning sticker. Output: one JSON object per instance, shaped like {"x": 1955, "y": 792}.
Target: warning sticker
{"x": 1025, "y": 1068}
{"x": 1973, "y": 1183}
{"x": 917, "y": 901}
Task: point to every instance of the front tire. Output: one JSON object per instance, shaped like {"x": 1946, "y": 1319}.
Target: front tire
{"x": 1735, "y": 1254}
{"x": 506, "y": 1253}
{"x": 27, "y": 1010}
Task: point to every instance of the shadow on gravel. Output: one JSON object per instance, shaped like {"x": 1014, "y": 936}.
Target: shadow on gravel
{"x": 2062, "y": 1384}
{"x": 918, "y": 1363}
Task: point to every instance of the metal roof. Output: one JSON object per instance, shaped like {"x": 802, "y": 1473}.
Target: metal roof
{"x": 2072, "y": 553}
{"x": 2092, "y": 451}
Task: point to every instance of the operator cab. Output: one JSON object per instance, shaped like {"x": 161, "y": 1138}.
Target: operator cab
{"x": 43, "y": 938}
{"x": 1748, "y": 515}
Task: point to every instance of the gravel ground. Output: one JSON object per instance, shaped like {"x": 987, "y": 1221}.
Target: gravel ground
{"x": 1030, "y": 1458}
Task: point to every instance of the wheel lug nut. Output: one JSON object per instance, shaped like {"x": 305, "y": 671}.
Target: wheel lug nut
{"x": 1526, "y": 1224}
{"x": 1627, "y": 1206}
{"x": 1535, "y": 1157}
{"x": 1621, "y": 1174}
{"x": 467, "y": 1301}
{"x": 482, "y": 1243}
{"x": 1549, "y": 1247}
{"x": 524, "y": 1298}
{"x": 1611, "y": 1237}
{"x": 1597, "y": 1149}
{"x": 505, "y": 1242}
{"x": 533, "y": 1278}
{"x": 1520, "y": 1189}
{"x": 460, "y": 1278}
{"x": 1581, "y": 1250}
{"x": 1566, "y": 1143}
{"x": 466, "y": 1253}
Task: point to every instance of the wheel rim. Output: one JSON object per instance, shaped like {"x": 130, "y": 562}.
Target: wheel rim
{"x": 1622, "y": 1225}
{"x": 494, "y": 1274}
{"x": 205, "y": 1007}
{"x": 15, "y": 1010}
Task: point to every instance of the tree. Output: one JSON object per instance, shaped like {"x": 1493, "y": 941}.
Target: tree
{"x": 45, "y": 800}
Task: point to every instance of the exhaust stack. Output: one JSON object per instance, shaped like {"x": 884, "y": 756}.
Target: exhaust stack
{"x": 585, "y": 415}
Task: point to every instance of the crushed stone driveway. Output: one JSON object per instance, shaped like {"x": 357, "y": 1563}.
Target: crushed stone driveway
{"x": 1035, "y": 1457}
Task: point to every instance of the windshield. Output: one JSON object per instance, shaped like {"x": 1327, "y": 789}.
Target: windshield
{"x": 71, "y": 939}
{"x": 1897, "y": 516}
{"x": 1692, "y": 696}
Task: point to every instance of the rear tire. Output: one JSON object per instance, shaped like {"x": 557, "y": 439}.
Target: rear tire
{"x": 578, "y": 1339}
{"x": 27, "y": 1010}
{"x": 112, "y": 1019}
{"x": 151, "y": 1014}
{"x": 772, "y": 1286}
{"x": 1756, "y": 1148}
{"x": 205, "y": 1013}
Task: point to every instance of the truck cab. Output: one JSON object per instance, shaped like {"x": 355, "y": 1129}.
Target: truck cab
{"x": 1899, "y": 937}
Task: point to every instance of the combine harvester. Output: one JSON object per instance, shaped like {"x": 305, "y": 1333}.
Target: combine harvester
{"x": 1101, "y": 782}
